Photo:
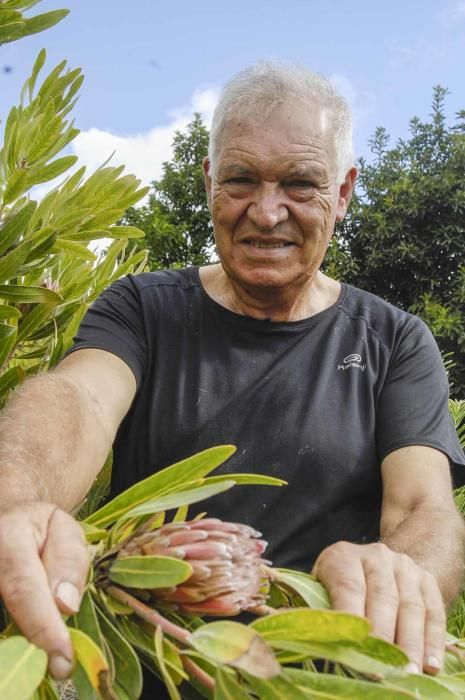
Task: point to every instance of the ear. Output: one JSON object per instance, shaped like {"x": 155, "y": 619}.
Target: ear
{"x": 345, "y": 194}
{"x": 206, "y": 165}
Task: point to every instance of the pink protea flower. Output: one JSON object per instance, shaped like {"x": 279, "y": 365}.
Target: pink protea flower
{"x": 228, "y": 571}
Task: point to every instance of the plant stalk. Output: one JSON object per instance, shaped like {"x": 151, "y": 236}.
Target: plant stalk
{"x": 149, "y": 615}
{"x": 202, "y": 676}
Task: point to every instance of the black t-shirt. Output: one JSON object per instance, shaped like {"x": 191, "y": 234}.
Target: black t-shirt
{"x": 318, "y": 402}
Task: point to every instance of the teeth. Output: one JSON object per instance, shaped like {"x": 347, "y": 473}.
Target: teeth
{"x": 261, "y": 244}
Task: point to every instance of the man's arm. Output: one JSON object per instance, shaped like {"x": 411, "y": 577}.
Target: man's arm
{"x": 54, "y": 437}
{"x": 403, "y": 583}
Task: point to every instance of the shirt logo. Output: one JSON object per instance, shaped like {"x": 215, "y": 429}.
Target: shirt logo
{"x": 352, "y": 360}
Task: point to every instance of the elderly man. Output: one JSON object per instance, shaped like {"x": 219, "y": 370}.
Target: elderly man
{"x": 326, "y": 386}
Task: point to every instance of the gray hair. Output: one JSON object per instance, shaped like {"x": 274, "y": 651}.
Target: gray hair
{"x": 260, "y": 89}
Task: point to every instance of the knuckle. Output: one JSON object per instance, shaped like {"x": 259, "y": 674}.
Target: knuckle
{"x": 17, "y": 588}
{"x": 436, "y": 615}
{"x": 350, "y": 585}
{"x": 389, "y": 597}
{"x": 413, "y": 605}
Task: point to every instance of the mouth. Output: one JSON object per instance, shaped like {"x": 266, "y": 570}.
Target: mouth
{"x": 266, "y": 244}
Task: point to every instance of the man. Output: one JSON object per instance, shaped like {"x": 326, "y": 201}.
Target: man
{"x": 321, "y": 384}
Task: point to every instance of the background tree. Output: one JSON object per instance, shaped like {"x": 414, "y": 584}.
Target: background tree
{"x": 404, "y": 236}
{"x": 176, "y": 220}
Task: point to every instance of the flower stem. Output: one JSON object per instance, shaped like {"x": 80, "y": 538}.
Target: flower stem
{"x": 202, "y": 676}
{"x": 149, "y": 615}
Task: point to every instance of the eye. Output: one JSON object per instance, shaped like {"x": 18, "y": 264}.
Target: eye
{"x": 300, "y": 184}
{"x": 239, "y": 180}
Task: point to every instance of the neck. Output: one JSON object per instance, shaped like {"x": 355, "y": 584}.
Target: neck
{"x": 274, "y": 304}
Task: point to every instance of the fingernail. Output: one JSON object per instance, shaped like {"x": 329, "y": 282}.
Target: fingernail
{"x": 433, "y": 662}
{"x": 69, "y": 596}
{"x": 412, "y": 668}
{"x": 59, "y": 666}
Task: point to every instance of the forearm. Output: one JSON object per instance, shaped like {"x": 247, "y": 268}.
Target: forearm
{"x": 51, "y": 443}
{"x": 434, "y": 537}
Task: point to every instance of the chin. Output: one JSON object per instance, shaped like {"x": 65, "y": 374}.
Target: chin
{"x": 264, "y": 278}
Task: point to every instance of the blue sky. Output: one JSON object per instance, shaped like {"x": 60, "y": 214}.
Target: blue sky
{"x": 149, "y": 64}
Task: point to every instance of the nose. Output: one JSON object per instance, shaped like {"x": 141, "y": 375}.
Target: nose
{"x": 267, "y": 208}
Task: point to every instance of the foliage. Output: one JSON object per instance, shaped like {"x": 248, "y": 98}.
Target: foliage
{"x": 404, "y": 235}
{"x": 121, "y": 622}
{"x": 176, "y": 220}
{"x": 48, "y": 272}
{"x": 13, "y": 24}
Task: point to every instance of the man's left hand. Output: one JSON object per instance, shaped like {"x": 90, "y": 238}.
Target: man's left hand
{"x": 401, "y": 599}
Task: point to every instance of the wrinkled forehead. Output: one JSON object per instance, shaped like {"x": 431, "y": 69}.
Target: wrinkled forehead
{"x": 296, "y": 125}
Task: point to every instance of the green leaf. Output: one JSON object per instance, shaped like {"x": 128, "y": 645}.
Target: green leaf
{"x": 39, "y": 62}
{"x": 177, "y": 499}
{"x": 39, "y": 23}
{"x": 160, "y": 660}
{"x": 51, "y": 171}
{"x": 255, "y": 479}
{"x": 149, "y": 571}
{"x": 13, "y": 260}
{"x": 379, "y": 660}
{"x": 237, "y": 645}
{"x": 29, "y": 295}
{"x": 322, "y": 685}
{"x": 16, "y": 185}
{"x": 16, "y": 226}
{"x": 302, "y": 624}
{"x": 424, "y": 687}
{"x": 11, "y": 378}
{"x": 228, "y": 688}
{"x": 125, "y": 232}
{"x": 162, "y": 482}
{"x": 312, "y": 592}
{"x": 8, "y": 337}
{"x": 128, "y": 672}
{"x": 93, "y": 534}
{"x": 86, "y": 620}
{"x": 33, "y": 320}
{"x": 7, "y": 312}
{"x": 9, "y": 32}
{"x": 279, "y": 688}
{"x": 22, "y": 668}
{"x": 93, "y": 662}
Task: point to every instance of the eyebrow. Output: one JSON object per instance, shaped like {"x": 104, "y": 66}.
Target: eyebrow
{"x": 235, "y": 169}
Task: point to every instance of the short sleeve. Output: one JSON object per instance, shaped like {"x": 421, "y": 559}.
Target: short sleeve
{"x": 412, "y": 408}
{"x": 114, "y": 322}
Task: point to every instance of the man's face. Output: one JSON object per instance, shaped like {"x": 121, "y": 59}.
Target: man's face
{"x": 274, "y": 198}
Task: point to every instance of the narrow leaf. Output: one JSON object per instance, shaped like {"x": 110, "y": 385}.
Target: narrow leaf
{"x": 180, "y": 498}
{"x": 228, "y": 688}
{"x": 29, "y": 295}
{"x": 22, "y": 668}
{"x": 128, "y": 672}
{"x": 149, "y": 571}
{"x": 312, "y": 625}
{"x": 313, "y": 593}
{"x": 16, "y": 226}
{"x": 162, "y": 482}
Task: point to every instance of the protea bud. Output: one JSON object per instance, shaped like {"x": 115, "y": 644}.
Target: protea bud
{"x": 228, "y": 571}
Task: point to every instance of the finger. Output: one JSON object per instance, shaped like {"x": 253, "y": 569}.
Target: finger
{"x": 26, "y": 593}
{"x": 411, "y": 615}
{"x": 344, "y": 578}
{"x": 382, "y": 598}
{"x": 435, "y": 626}
{"x": 65, "y": 557}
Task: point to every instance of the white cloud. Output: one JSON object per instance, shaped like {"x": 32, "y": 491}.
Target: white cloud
{"x": 143, "y": 154}
{"x": 362, "y": 103}
{"x": 453, "y": 14}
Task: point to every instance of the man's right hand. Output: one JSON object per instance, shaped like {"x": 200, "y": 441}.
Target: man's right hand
{"x": 44, "y": 562}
